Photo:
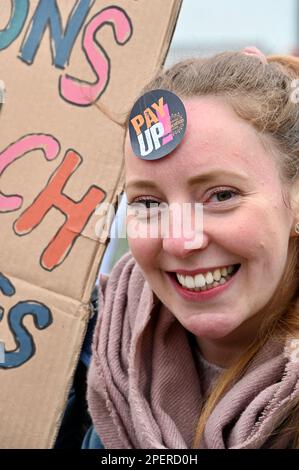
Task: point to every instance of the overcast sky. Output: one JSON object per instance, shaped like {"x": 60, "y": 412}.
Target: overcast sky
{"x": 270, "y": 24}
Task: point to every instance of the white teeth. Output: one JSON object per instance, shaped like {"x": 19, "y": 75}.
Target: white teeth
{"x": 189, "y": 281}
{"x": 217, "y": 275}
{"x": 200, "y": 280}
{"x": 223, "y": 272}
{"x": 207, "y": 280}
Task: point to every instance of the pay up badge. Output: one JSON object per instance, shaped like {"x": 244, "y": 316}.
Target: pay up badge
{"x": 157, "y": 124}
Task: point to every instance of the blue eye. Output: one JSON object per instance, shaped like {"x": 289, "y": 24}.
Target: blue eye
{"x": 144, "y": 208}
{"x": 222, "y": 195}
{"x": 147, "y": 203}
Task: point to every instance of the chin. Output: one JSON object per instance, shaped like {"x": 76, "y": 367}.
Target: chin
{"x": 211, "y": 325}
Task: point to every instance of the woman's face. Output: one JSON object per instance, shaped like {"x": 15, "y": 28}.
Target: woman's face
{"x": 223, "y": 164}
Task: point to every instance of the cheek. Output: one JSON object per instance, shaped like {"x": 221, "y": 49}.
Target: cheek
{"x": 257, "y": 234}
{"x": 145, "y": 250}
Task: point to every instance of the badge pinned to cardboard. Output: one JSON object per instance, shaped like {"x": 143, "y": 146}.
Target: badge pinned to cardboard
{"x": 157, "y": 124}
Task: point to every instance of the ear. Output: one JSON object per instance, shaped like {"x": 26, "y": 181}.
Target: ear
{"x": 294, "y": 206}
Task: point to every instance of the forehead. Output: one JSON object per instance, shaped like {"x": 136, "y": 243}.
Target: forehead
{"x": 216, "y": 138}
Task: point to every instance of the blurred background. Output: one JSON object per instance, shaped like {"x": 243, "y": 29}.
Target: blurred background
{"x": 207, "y": 27}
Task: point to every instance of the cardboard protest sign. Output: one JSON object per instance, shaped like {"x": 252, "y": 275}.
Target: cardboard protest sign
{"x": 72, "y": 70}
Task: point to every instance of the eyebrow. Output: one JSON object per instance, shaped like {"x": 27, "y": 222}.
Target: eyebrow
{"x": 203, "y": 178}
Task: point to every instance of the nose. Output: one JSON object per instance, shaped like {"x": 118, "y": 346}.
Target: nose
{"x": 181, "y": 247}
{"x": 184, "y": 239}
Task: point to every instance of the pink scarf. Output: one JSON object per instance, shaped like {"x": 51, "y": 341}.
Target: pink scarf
{"x": 144, "y": 389}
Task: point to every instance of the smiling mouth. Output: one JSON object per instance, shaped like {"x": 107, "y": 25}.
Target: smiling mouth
{"x": 205, "y": 281}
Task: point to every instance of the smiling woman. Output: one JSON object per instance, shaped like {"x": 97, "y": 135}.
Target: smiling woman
{"x": 195, "y": 344}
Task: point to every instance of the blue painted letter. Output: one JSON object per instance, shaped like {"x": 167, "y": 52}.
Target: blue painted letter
{"x": 47, "y": 14}
{"x": 25, "y": 347}
{"x": 17, "y": 20}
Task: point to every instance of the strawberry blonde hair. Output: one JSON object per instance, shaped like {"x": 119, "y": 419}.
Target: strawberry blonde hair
{"x": 260, "y": 93}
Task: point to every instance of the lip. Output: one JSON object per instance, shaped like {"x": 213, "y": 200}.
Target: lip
{"x": 199, "y": 271}
{"x": 201, "y": 296}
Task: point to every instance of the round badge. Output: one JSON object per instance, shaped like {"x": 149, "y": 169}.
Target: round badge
{"x": 157, "y": 124}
